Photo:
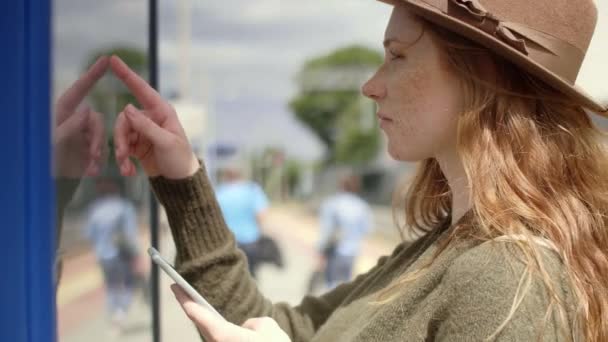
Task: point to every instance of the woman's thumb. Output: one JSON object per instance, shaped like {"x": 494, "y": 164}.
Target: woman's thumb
{"x": 145, "y": 126}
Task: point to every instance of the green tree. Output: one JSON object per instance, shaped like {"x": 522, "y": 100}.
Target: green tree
{"x": 330, "y": 104}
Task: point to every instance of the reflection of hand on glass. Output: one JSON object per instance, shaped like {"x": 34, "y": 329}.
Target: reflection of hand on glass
{"x": 153, "y": 135}
{"x": 78, "y": 144}
{"x": 78, "y": 135}
{"x": 79, "y": 131}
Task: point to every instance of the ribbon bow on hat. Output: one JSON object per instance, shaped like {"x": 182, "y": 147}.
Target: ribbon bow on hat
{"x": 491, "y": 24}
{"x": 554, "y": 54}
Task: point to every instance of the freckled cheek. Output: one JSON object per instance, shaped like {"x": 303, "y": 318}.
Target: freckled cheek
{"x": 412, "y": 93}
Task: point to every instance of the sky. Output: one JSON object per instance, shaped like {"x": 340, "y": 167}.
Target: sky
{"x": 245, "y": 55}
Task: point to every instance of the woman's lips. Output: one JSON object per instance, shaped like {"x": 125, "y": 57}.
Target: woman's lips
{"x": 384, "y": 119}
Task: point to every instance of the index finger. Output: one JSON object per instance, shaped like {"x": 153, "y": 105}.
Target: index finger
{"x": 144, "y": 93}
{"x": 67, "y": 103}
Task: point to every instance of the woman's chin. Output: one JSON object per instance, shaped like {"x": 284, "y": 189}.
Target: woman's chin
{"x": 406, "y": 155}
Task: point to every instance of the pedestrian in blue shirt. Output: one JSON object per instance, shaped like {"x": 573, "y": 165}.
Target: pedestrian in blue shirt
{"x": 345, "y": 220}
{"x": 243, "y": 204}
{"x": 111, "y": 227}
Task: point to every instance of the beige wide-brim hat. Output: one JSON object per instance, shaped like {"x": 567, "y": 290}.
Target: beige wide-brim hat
{"x": 548, "y": 38}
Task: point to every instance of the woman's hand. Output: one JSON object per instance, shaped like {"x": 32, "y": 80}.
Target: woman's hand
{"x": 152, "y": 134}
{"x": 79, "y": 134}
{"x": 263, "y": 329}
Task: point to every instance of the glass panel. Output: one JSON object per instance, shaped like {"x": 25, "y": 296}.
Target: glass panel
{"x": 103, "y": 291}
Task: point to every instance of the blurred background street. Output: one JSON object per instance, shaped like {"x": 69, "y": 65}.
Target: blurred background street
{"x": 81, "y": 297}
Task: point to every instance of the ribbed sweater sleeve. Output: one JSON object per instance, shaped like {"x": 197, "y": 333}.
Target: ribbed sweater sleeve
{"x": 207, "y": 257}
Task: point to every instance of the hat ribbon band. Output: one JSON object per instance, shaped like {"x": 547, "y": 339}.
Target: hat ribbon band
{"x": 554, "y": 54}
{"x": 490, "y": 24}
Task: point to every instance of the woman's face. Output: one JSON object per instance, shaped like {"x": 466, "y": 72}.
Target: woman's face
{"x": 418, "y": 97}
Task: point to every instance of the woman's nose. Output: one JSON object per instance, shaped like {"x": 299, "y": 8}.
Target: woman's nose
{"x": 373, "y": 88}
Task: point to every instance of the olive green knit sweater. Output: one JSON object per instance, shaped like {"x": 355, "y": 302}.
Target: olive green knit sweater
{"x": 465, "y": 295}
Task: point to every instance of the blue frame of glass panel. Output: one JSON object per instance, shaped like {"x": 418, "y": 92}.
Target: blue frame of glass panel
{"x": 27, "y": 312}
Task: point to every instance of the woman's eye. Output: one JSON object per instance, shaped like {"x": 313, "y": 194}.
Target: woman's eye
{"x": 394, "y": 55}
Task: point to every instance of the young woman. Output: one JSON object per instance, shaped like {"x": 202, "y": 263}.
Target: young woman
{"x": 511, "y": 195}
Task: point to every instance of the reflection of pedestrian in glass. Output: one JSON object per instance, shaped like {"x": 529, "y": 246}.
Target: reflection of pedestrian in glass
{"x": 243, "y": 204}
{"x": 111, "y": 227}
{"x": 345, "y": 220}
